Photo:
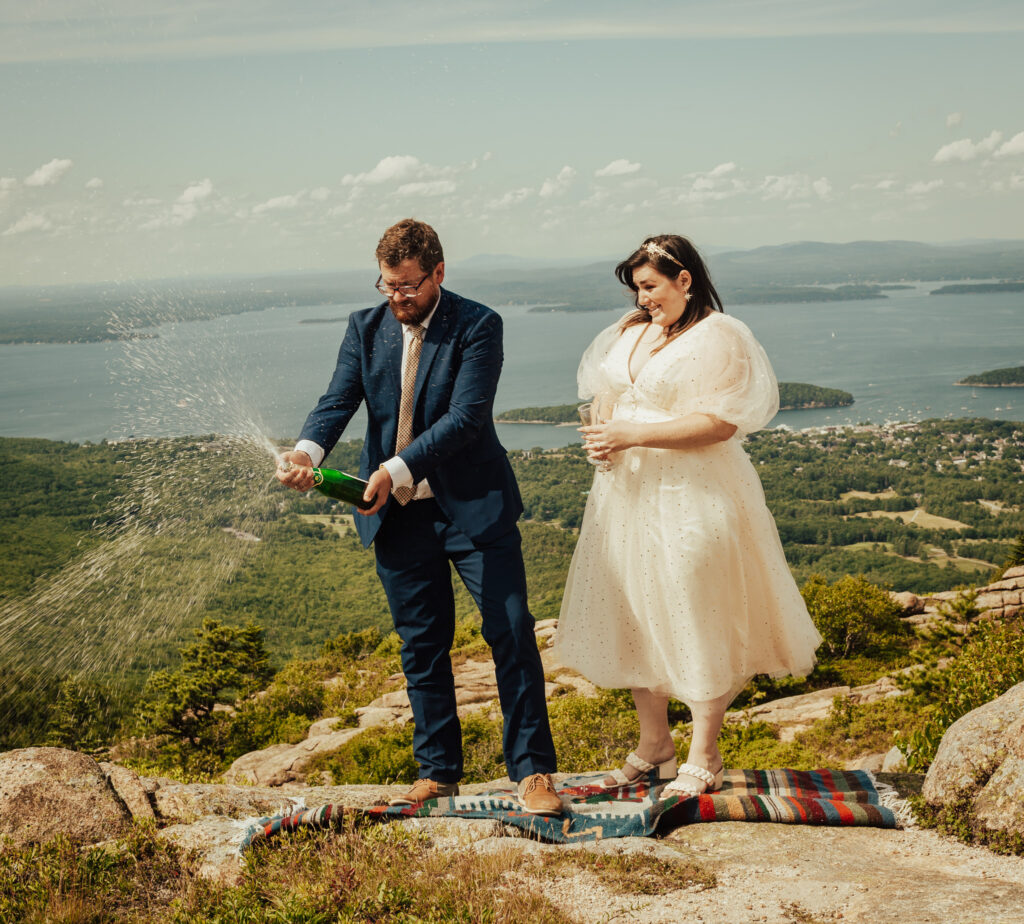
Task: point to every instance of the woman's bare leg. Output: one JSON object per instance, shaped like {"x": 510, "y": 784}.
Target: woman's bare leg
{"x": 655, "y": 744}
{"x": 708, "y": 717}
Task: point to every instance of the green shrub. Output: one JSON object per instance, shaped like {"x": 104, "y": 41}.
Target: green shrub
{"x": 84, "y": 716}
{"x": 852, "y": 729}
{"x": 991, "y": 662}
{"x": 593, "y": 733}
{"x": 351, "y": 646}
{"x": 757, "y": 747}
{"x": 852, "y": 614}
{"x": 378, "y": 755}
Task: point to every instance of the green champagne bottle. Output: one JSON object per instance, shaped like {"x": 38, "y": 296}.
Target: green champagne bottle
{"x": 341, "y": 486}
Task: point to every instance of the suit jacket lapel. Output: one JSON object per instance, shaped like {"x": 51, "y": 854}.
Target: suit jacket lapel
{"x": 392, "y": 338}
{"x": 437, "y": 333}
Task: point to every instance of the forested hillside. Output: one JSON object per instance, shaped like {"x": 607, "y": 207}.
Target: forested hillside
{"x": 114, "y": 554}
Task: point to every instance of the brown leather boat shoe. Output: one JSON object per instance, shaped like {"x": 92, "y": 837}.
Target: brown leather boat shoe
{"x": 537, "y": 795}
{"x": 425, "y": 789}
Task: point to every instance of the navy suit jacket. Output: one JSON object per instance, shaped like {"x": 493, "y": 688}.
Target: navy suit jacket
{"x": 454, "y": 442}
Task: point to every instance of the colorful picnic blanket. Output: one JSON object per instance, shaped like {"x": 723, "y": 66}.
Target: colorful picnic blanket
{"x": 809, "y": 797}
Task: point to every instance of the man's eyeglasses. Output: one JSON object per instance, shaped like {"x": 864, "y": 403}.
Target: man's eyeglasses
{"x": 408, "y": 291}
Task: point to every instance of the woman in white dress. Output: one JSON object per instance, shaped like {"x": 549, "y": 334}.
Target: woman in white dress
{"x": 679, "y": 586}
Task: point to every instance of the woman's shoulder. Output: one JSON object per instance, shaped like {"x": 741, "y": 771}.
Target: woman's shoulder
{"x": 606, "y": 337}
{"x": 724, "y": 328}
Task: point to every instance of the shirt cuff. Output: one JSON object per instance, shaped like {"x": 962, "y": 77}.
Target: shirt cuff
{"x": 401, "y": 477}
{"x": 311, "y": 449}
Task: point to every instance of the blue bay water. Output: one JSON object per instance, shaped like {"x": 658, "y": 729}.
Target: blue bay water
{"x": 898, "y": 356}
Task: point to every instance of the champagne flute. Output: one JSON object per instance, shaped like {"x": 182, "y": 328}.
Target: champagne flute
{"x": 599, "y": 410}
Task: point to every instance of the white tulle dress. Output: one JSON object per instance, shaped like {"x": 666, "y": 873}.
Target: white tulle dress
{"x": 679, "y": 583}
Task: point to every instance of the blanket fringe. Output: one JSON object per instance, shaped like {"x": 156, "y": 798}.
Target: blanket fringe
{"x": 892, "y": 800}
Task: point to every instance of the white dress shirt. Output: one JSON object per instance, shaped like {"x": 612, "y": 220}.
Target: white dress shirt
{"x": 396, "y": 467}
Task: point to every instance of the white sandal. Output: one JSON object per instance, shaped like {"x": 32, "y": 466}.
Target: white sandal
{"x": 666, "y": 771}
{"x": 685, "y": 788}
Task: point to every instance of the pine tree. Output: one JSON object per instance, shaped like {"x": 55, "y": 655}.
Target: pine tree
{"x": 226, "y": 664}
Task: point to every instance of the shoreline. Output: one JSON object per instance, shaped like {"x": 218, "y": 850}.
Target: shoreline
{"x": 569, "y": 423}
{"x": 990, "y": 385}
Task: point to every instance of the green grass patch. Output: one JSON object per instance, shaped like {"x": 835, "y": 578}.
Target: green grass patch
{"x": 377, "y": 873}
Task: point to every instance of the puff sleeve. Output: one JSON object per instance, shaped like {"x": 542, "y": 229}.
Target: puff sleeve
{"x": 592, "y": 376}
{"x": 731, "y": 377}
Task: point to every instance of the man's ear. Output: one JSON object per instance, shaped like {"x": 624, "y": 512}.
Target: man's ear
{"x": 439, "y": 273}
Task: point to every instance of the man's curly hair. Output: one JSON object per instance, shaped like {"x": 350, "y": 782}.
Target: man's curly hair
{"x": 410, "y": 240}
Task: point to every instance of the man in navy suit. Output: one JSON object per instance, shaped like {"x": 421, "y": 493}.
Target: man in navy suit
{"x": 426, "y": 362}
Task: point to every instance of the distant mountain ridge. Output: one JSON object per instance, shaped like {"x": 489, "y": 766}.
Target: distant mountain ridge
{"x": 776, "y": 273}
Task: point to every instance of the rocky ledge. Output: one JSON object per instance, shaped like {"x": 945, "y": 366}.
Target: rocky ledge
{"x": 764, "y": 872}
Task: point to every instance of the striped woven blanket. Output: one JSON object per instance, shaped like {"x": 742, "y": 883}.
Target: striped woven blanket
{"x": 811, "y": 797}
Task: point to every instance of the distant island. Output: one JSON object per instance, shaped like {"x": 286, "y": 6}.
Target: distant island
{"x": 792, "y": 396}
{"x": 996, "y": 378}
{"x": 979, "y": 288}
{"x": 553, "y": 414}
{"x": 323, "y": 320}
{"x": 798, "y": 396}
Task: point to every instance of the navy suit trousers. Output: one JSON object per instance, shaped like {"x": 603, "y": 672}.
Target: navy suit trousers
{"x": 414, "y": 546}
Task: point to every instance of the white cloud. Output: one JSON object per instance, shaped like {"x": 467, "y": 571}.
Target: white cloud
{"x": 1014, "y": 146}
{"x": 620, "y": 167}
{"x": 278, "y": 203}
{"x": 94, "y": 183}
{"x": 512, "y": 197}
{"x": 320, "y": 194}
{"x": 428, "y": 188}
{"x": 714, "y": 185}
{"x": 1017, "y": 181}
{"x": 187, "y": 206}
{"x": 886, "y": 184}
{"x": 396, "y": 168}
{"x": 559, "y": 184}
{"x": 923, "y": 187}
{"x": 7, "y": 183}
{"x": 954, "y": 119}
{"x": 197, "y": 191}
{"x": 184, "y": 209}
{"x": 412, "y": 176}
{"x": 31, "y": 221}
{"x": 133, "y": 203}
{"x": 965, "y": 149}
{"x": 50, "y": 173}
{"x": 794, "y": 186}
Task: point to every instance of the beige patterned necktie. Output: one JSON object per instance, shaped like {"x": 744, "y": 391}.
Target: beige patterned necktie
{"x": 405, "y": 494}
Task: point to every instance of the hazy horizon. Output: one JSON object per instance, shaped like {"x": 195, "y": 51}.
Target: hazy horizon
{"x": 483, "y": 259}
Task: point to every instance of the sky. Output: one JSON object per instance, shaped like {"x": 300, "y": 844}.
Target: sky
{"x": 146, "y": 139}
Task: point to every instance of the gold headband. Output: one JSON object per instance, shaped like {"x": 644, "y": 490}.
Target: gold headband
{"x": 653, "y": 248}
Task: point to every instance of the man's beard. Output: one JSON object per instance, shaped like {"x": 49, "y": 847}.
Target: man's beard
{"x": 410, "y": 313}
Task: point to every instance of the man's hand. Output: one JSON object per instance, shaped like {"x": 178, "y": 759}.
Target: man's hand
{"x": 378, "y": 489}
{"x": 299, "y": 474}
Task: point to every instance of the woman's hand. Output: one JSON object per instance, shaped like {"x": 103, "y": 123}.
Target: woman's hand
{"x": 690, "y": 432}
{"x": 603, "y": 439}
